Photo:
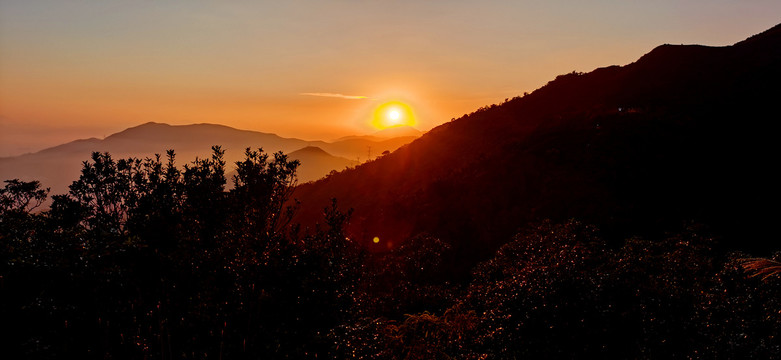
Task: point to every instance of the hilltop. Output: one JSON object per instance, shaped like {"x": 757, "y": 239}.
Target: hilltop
{"x": 681, "y": 135}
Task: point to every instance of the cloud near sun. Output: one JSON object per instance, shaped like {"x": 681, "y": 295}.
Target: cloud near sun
{"x": 341, "y": 96}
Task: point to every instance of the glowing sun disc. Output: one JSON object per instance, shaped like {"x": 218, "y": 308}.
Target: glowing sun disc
{"x": 392, "y": 114}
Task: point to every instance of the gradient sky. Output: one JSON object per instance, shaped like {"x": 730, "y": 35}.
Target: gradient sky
{"x": 76, "y": 69}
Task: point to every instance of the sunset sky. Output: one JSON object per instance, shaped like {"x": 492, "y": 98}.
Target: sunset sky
{"x": 315, "y": 69}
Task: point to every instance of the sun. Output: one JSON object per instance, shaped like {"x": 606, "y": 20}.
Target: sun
{"x": 393, "y": 114}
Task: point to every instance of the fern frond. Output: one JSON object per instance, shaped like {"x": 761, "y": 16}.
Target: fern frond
{"x": 760, "y": 267}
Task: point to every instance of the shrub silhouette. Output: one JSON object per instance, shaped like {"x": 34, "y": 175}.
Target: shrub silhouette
{"x": 148, "y": 260}
{"x": 143, "y": 259}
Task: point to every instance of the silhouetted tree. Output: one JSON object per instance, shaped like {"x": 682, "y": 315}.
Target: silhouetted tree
{"x": 19, "y": 227}
{"x": 142, "y": 259}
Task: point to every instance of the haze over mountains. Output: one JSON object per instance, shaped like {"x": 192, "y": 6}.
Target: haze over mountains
{"x": 58, "y": 166}
{"x": 681, "y": 135}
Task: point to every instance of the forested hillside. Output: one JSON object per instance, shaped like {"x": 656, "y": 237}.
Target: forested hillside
{"x": 683, "y": 134}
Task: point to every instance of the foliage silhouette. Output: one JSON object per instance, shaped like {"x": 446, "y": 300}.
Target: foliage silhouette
{"x": 145, "y": 260}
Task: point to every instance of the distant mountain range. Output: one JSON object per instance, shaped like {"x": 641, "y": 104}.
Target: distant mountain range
{"x": 683, "y": 134}
{"x": 58, "y": 166}
{"x": 388, "y": 133}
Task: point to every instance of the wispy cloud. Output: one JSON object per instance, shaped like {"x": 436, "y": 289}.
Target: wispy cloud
{"x": 341, "y": 96}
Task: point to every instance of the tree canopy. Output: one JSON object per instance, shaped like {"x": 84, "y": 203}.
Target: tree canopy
{"x": 146, "y": 259}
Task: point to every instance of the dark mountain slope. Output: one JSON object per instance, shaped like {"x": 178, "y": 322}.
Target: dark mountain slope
{"x": 683, "y": 134}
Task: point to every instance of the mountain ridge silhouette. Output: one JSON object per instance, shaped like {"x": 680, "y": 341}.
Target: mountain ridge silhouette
{"x": 58, "y": 166}
{"x": 670, "y": 138}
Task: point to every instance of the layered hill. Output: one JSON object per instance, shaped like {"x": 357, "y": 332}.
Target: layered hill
{"x": 58, "y": 166}
{"x": 316, "y": 163}
{"x": 388, "y": 133}
{"x": 684, "y": 134}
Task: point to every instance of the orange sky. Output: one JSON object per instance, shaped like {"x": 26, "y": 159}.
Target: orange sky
{"x": 81, "y": 68}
